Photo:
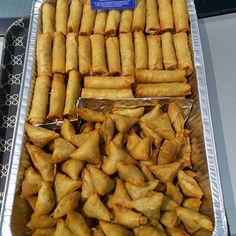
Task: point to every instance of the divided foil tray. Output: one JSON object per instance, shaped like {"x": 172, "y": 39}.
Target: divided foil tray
{"x": 15, "y": 212}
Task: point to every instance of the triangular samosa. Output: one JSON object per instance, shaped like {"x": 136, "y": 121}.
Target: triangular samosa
{"x": 142, "y": 150}
{"x": 169, "y": 219}
{"x": 176, "y": 117}
{"x": 189, "y": 185}
{"x": 67, "y": 130}
{"x": 152, "y": 115}
{"x": 174, "y": 192}
{"x": 46, "y": 199}
{"x": 162, "y": 126}
{"x": 90, "y": 115}
{"x": 102, "y": 182}
{"x": 149, "y": 206}
{"x": 108, "y": 129}
{"x": 77, "y": 224}
{"x": 41, "y": 222}
{"x": 42, "y": 162}
{"x": 123, "y": 123}
{"x": 79, "y": 139}
{"x": 111, "y": 229}
{"x": 67, "y": 203}
{"x": 62, "y": 150}
{"x": 193, "y": 220}
{"x": 166, "y": 172}
{"x": 64, "y": 185}
{"x": 72, "y": 168}
{"x": 146, "y": 173}
{"x": 137, "y": 192}
{"x": 133, "y": 112}
{"x": 169, "y": 150}
{"x": 31, "y": 183}
{"x": 62, "y": 230}
{"x": 128, "y": 218}
{"x": 90, "y": 150}
{"x": 119, "y": 196}
{"x": 116, "y": 154}
{"x": 95, "y": 208}
{"x": 149, "y": 132}
{"x": 40, "y": 136}
{"x": 192, "y": 203}
{"x": 130, "y": 173}
{"x": 132, "y": 139}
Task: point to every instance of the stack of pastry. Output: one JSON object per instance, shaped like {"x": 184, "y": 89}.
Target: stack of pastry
{"x": 127, "y": 172}
{"x": 110, "y": 54}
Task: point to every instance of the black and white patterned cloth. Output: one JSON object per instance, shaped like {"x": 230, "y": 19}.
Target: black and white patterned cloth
{"x": 10, "y": 80}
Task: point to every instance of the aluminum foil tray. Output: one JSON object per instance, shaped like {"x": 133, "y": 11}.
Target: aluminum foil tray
{"x": 15, "y": 211}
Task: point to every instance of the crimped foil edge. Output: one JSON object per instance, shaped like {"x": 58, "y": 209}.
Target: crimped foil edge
{"x": 221, "y": 226}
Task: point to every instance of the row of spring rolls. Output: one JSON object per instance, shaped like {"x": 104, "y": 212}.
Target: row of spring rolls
{"x": 150, "y": 83}
{"x": 57, "y": 98}
{"x": 53, "y": 99}
{"x": 150, "y": 16}
{"x": 63, "y": 96}
{"x": 98, "y": 55}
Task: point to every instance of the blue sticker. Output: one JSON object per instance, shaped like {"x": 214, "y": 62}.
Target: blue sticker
{"x": 112, "y": 4}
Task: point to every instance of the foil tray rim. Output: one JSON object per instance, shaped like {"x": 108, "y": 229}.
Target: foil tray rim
{"x": 221, "y": 226}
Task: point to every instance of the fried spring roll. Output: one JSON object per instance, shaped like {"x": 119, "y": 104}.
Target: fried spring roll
{"x": 117, "y": 82}
{"x": 154, "y": 52}
{"x": 139, "y": 14}
{"x": 113, "y": 55}
{"x": 141, "y": 51}
{"x": 99, "y": 66}
{"x": 84, "y": 52}
{"x": 71, "y": 52}
{"x": 180, "y": 11}
{"x": 48, "y": 18}
{"x": 113, "y": 21}
{"x": 39, "y": 107}
{"x": 62, "y": 10}
{"x": 127, "y": 53}
{"x": 100, "y": 22}
{"x": 166, "y": 15}
{"x": 160, "y": 76}
{"x": 76, "y": 9}
{"x": 152, "y": 19}
{"x": 126, "y": 21}
{"x": 168, "y": 52}
{"x": 106, "y": 93}
{"x": 44, "y": 54}
{"x": 183, "y": 53}
{"x": 163, "y": 90}
{"x": 88, "y": 19}
{"x": 57, "y": 99}
{"x": 72, "y": 93}
{"x": 59, "y": 53}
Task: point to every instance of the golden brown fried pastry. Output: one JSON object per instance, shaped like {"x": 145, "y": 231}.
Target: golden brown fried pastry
{"x": 40, "y": 136}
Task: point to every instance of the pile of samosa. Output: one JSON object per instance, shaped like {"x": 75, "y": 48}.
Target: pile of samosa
{"x": 126, "y": 172}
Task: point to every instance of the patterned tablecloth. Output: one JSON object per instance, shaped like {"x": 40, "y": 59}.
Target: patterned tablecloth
{"x": 14, "y": 45}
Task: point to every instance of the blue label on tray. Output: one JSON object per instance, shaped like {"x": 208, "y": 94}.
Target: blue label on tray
{"x": 112, "y": 4}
